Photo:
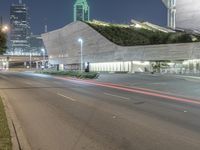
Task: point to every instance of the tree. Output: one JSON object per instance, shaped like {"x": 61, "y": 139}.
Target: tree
{"x": 3, "y": 41}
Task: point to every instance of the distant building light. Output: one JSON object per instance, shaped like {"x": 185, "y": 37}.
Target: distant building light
{"x": 138, "y": 26}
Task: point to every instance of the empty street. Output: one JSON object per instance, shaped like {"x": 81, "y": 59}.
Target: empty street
{"x": 58, "y": 113}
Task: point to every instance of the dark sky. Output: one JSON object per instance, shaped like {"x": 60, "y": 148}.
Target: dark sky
{"x": 60, "y": 12}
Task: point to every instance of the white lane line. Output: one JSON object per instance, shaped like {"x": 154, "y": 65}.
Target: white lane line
{"x": 28, "y": 83}
{"x": 69, "y": 98}
{"x": 126, "y": 98}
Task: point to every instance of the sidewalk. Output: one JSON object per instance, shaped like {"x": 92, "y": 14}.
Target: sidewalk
{"x": 187, "y": 86}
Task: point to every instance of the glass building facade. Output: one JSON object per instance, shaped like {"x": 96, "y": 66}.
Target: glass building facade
{"x": 184, "y": 14}
{"x": 20, "y": 29}
{"x": 171, "y": 6}
{"x": 81, "y": 11}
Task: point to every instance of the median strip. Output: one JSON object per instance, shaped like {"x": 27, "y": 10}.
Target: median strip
{"x": 5, "y": 138}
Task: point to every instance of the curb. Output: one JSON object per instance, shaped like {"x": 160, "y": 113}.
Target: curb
{"x": 18, "y": 139}
{"x": 189, "y": 77}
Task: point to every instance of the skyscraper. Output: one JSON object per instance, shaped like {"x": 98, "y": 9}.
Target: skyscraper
{"x": 20, "y": 29}
{"x": 184, "y": 14}
{"x": 36, "y": 45}
{"x": 81, "y": 11}
{"x": 171, "y": 6}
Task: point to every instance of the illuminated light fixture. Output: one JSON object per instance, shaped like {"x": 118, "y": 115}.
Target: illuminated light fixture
{"x": 141, "y": 63}
{"x": 138, "y": 26}
{"x": 186, "y": 62}
{"x": 5, "y": 28}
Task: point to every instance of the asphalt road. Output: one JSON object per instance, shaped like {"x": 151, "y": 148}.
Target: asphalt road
{"x": 65, "y": 114}
{"x": 178, "y": 85}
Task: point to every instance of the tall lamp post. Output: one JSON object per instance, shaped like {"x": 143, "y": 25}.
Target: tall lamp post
{"x": 30, "y": 61}
{"x": 43, "y": 52}
{"x": 81, "y": 42}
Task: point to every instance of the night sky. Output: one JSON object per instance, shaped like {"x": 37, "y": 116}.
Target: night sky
{"x": 60, "y": 12}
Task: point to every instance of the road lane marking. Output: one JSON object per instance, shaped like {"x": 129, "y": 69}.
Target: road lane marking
{"x": 114, "y": 117}
{"x": 142, "y": 91}
{"x": 121, "y": 97}
{"x": 28, "y": 83}
{"x": 69, "y": 98}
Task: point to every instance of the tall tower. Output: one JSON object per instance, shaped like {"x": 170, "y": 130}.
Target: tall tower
{"x": 171, "y": 6}
{"x": 81, "y": 11}
{"x": 20, "y": 29}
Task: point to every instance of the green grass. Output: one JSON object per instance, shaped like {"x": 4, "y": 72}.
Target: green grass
{"x": 130, "y": 36}
{"x": 77, "y": 74}
{"x": 5, "y": 138}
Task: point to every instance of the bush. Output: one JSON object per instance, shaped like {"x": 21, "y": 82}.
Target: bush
{"x": 3, "y": 41}
{"x": 77, "y": 74}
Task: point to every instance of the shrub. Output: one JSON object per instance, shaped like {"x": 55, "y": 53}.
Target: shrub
{"x": 77, "y": 74}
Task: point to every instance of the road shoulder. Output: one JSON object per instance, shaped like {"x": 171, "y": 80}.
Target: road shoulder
{"x": 18, "y": 139}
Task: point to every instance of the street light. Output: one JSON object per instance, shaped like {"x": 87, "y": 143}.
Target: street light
{"x": 81, "y": 42}
{"x": 30, "y": 60}
{"x": 5, "y": 28}
{"x": 43, "y": 51}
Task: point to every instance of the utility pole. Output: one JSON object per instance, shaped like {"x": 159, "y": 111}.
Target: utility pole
{"x": 45, "y": 26}
{"x": 1, "y": 21}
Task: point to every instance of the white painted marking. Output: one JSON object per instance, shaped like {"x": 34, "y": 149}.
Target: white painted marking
{"x": 185, "y": 111}
{"x": 69, "y": 98}
{"x": 28, "y": 83}
{"x": 114, "y": 117}
{"x": 126, "y": 98}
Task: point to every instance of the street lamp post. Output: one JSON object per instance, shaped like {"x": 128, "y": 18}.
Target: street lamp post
{"x": 30, "y": 60}
{"x": 81, "y": 42}
{"x": 43, "y": 51}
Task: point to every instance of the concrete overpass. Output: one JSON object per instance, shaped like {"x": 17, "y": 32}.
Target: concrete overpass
{"x": 7, "y": 61}
{"x": 13, "y": 58}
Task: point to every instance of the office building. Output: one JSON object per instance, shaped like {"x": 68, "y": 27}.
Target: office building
{"x": 36, "y": 45}
{"x": 81, "y": 11}
{"x": 183, "y": 14}
{"x": 20, "y": 29}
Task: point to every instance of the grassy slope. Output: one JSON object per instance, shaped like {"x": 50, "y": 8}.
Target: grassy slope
{"x": 5, "y": 139}
{"x": 130, "y": 36}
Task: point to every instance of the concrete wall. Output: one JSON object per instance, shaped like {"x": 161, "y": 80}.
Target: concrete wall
{"x": 63, "y": 44}
{"x": 63, "y": 48}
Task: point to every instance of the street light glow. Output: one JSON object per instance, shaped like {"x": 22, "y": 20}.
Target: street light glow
{"x": 80, "y": 40}
{"x": 5, "y": 28}
{"x": 43, "y": 50}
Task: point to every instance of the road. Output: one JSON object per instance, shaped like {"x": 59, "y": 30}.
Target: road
{"x": 65, "y": 114}
{"x": 178, "y": 85}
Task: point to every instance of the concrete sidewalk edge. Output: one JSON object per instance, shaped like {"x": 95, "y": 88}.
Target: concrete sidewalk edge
{"x": 190, "y": 77}
{"x": 18, "y": 139}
